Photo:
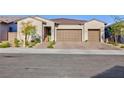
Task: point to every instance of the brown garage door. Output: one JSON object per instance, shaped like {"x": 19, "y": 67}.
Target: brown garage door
{"x": 94, "y": 35}
{"x": 69, "y": 35}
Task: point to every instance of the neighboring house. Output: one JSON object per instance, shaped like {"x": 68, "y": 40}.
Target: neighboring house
{"x": 8, "y": 27}
{"x": 63, "y": 29}
{"x": 3, "y": 31}
{"x": 60, "y": 30}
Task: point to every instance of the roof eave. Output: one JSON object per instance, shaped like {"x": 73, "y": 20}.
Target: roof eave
{"x": 97, "y": 20}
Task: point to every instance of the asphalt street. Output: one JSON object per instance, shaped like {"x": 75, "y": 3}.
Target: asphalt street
{"x": 61, "y": 66}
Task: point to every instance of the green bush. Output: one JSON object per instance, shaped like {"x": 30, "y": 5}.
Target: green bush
{"x": 4, "y": 44}
{"x": 16, "y": 42}
{"x": 26, "y": 43}
{"x": 113, "y": 43}
{"x": 49, "y": 37}
{"x": 37, "y": 40}
{"x": 31, "y": 44}
{"x": 54, "y": 42}
{"x": 122, "y": 46}
{"x": 50, "y": 44}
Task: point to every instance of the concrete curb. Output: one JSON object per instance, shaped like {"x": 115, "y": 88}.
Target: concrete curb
{"x": 61, "y": 51}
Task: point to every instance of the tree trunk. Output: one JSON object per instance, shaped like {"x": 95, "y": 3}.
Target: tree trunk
{"x": 116, "y": 41}
{"x": 25, "y": 40}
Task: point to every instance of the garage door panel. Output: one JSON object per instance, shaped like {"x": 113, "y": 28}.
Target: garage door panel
{"x": 94, "y": 35}
{"x": 69, "y": 35}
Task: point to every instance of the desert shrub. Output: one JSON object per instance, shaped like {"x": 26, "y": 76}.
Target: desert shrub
{"x": 31, "y": 44}
{"x": 33, "y": 41}
{"x": 122, "y": 46}
{"x": 50, "y": 44}
{"x": 37, "y": 40}
{"x": 16, "y": 42}
{"x": 26, "y": 43}
{"x": 54, "y": 42}
{"x": 113, "y": 43}
{"x": 4, "y": 44}
{"x": 49, "y": 37}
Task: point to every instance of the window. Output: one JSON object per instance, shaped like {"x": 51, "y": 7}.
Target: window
{"x": 10, "y": 29}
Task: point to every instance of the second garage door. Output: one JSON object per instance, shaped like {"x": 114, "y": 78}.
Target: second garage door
{"x": 69, "y": 35}
{"x": 94, "y": 35}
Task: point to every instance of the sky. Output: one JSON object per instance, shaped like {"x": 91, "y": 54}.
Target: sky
{"x": 106, "y": 18}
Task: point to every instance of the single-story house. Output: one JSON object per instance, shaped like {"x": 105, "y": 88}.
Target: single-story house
{"x": 65, "y": 30}
{"x": 60, "y": 30}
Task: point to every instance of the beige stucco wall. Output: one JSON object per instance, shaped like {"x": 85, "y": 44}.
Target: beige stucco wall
{"x": 12, "y": 36}
{"x": 49, "y": 23}
{"x": 37, "y": 23}
{"x": 69, "y": 27}
{"x": 3, "y": 32}
{"x": 94, "y": 24}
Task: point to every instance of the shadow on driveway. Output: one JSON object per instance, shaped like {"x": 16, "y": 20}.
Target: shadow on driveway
{"x": 114, "y": 72}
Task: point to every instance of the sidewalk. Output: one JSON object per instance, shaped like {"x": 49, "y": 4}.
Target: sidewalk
{"x": 61, "y": 51}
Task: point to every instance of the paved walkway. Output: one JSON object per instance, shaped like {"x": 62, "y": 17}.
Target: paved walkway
{"x": 61, "y": 51}
{"x": 69, "y": 45}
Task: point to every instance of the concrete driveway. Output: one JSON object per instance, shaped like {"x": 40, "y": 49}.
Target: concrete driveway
{"x": 85, "y": 46}
{"x": 69, "y": 45}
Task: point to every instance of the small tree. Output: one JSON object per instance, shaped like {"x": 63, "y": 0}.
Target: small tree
{"x": 28, "y": 30}
{"x": 117, "y": 29}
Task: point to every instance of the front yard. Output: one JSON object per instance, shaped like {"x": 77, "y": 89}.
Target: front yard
{"x": 61, "y": 45}
{"x": 118, "y": 45}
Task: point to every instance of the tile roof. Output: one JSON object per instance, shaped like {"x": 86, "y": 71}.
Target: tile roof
{"x": 65, "y": 21}
{"x": 9, "y": 19}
